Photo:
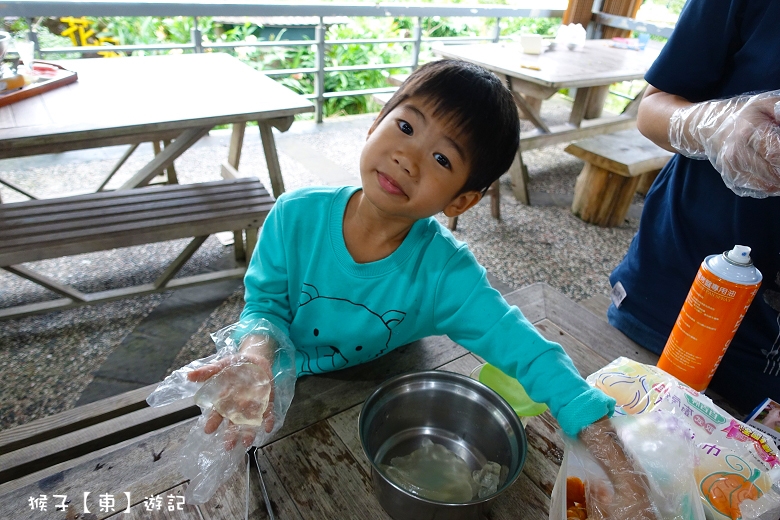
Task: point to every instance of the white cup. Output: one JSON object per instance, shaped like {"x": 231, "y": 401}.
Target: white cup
{"x": 532, "y": 43}
{"x": 26, "y": 52}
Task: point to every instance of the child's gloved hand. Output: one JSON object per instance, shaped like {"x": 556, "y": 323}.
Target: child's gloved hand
{"x": 629, "y": 498}
{"x": 244, "y": 392}
{"x": 740, "y": 136}
{"x": 238, "y": 389}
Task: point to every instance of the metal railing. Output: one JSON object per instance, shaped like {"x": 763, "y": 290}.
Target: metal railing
{"x": 630, "y": 24}
{"x": 30, "y": 9}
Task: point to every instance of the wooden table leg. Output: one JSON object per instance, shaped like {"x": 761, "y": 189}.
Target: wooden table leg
{"x": 230, "y": 167}
{"x": 580, "y": 106}
{"x": 596, "y": 102}
{"x": 531, "y": 110}
{"x": 171, "y": 170}
{"x": 519, "y": 175}
{"x": 166, "y": 157}
{"x": 229, "y": 170}
{"x": 271, "y": 157}
{"x": 495, "y": 199}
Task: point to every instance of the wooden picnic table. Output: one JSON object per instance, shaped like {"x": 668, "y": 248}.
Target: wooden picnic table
{"x": 175, "y": 99}
{"x": 534, "y": 78}
{"x": 314, "y": 469}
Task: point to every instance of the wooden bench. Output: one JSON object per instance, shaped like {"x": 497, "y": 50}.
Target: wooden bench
{"x": 48, "y": 441}
{"x": 50, "y": 228}
{"x": 617, "y": 165}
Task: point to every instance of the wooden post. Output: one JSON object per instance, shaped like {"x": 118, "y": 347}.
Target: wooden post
{"x": 271, "y": 159}
{"x": 627, "y": 8}
{"x": 171, "y": 170}
{"x": 595, "y": 106}
{"x": 578, "y": 11}
{"x": 602, "y": 197}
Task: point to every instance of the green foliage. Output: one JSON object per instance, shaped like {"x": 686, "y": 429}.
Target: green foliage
{"x": 673, "y": 6}
{"x": 439, "y": 27}
{"x": 18, "y": 30}
{"x": 543, "y": 26}
{"x": 15, "y": 26}
{"x": 357, "y": 54}
{"x": 146, "y": 30}
{"x": 48, "y": 40}
{"x": 620, "y": 93}
{"x": 156, "y": 30}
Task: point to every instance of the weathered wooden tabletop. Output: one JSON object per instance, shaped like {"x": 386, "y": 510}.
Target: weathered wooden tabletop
{"x": 597, "y": 63}
{"x": 127, "y": 100}
{"x": 590, "y": 70}
{"x": 174, "y": 99}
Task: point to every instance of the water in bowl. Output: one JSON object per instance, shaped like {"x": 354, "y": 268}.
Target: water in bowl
{"x": 434, "y": 472}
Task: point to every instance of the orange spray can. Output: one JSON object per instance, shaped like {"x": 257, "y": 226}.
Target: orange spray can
{"x": 718, "y": 300}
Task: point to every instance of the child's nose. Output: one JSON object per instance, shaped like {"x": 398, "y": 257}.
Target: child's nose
{"x": 406, "y": 160}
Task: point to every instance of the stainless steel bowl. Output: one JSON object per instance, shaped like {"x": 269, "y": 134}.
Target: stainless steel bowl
{"x": 5, "y": 42}
{"x": 460, "y": 413}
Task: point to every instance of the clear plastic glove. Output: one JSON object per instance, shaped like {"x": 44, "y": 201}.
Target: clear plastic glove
{"x": 238, "y": 388}
{"x": 242, "y": 395}
{"x": 625, "y": 493}
{"x": 740, "y": 136}
{"x": 638, "y": 467}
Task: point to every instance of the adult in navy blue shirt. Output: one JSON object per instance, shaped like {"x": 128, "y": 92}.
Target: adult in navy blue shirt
{"x": 720, "y": 49}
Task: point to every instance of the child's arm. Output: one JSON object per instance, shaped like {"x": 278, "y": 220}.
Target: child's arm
{"x": 265, "y": 297}
{"x": 266, "y": 283}
{"x": 476, "y": 316}
{"x": 631, "y": 501}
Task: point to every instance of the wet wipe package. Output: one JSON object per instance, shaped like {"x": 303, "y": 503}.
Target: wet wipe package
{"x": 253, "y": 395}
{"x": 736, "y": 467}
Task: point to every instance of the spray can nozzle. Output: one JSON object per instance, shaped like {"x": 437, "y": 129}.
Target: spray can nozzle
{"x": 740, "y": 255}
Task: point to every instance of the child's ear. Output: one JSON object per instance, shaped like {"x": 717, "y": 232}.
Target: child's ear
{"x": 461, "y": 203}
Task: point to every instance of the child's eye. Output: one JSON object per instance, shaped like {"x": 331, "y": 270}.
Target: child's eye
{"x": 405, "y": 127}
{"x": 441, "y": 159}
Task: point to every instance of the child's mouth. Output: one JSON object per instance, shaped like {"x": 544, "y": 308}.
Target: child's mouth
{"x": 389, "y": 185}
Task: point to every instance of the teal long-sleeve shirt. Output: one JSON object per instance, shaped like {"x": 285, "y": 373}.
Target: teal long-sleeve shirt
{"x": 339, "y": 313}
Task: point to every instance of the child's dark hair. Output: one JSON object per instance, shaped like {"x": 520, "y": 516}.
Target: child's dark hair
{"x": 475, "y": 102}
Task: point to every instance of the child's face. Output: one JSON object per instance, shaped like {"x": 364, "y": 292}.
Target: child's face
{"x": 413, "y": 165}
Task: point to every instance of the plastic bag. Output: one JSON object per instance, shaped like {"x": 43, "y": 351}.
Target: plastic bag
{"x": 736, "y": 469}
{"x": 205, "y": 460}
{"x": 572, "y": 36}
{"x": 661, "y": 453}
{"x": 740, "y": 136}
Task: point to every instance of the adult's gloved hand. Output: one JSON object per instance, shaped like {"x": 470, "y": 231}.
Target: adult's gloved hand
{"x": 740, "y": 136}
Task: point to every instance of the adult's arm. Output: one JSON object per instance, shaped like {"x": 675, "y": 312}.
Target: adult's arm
{"x": 655, "y": 111}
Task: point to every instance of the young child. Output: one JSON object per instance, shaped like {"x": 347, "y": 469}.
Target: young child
{"x": 351, "y": 273}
